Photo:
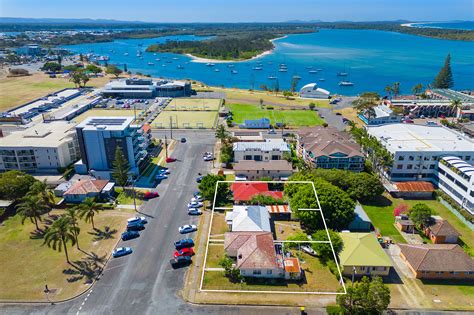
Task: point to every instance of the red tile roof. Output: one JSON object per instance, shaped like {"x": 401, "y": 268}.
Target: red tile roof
{"x": 292, "y": 264}
{"x": 245, "y": 191}
{"x": 415, "y": 186}
{"x": 83, "y": 187}
{"x": 254, "y": 249}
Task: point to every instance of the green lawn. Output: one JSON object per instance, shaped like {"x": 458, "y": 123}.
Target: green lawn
{"x": 295, "y": 118}
{"x": 215, "y": 253}
{"x": 27, "y": 264}
{"x": 123, "y": 199}
{"x": 381, "y": 214}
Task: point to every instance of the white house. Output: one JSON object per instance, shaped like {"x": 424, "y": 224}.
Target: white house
{"x": 248, "y": 218}
{"x": 312, "y": 90}
{"x": 268, "y": 150}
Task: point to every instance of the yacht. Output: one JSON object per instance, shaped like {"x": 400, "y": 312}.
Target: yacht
{"x": 346, "y": 83}
{"x": 272, "y": 78}
{"x": 151, "y": 64}
{"x": 297, "y": 77}
{"x": 217, "y": 70}
{"x": 157, "y": 59}
{"x": 163, "y": 65}
{"x": 180, "y": 67}
{"x": 257, "y": 68}
{"x": 230, "y": 66}
{"x": 233, "y": 71}
{"x": 342, "y": 74}
{"x": 210, "y": 64}
{"x": 322, "y": 79}
{"x": 126, "y": 54}
{"x": 175, "y": 58}
{"x": 283, "y": 70}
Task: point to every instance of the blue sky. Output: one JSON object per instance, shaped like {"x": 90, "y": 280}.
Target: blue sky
{"x": 242, "y": 10}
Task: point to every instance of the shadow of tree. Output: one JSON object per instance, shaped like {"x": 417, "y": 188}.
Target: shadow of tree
{"x": 105, "y": 234}
{"x": 86, "y": 269}
{"x": 47, "y": 221}
{"x": 37, "y": 234}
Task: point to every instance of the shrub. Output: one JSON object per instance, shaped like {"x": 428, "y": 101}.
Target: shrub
{"x": 269, "y": 107}
{"x": 19, "y": 72}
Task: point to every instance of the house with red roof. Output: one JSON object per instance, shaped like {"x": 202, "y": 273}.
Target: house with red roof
{"x": 88, "y": 188}
{"x": 245, "y": 191}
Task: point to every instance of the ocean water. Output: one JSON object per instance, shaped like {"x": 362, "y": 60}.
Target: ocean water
{"x": 464, "y": 25}
{"x": 372, "y": 59}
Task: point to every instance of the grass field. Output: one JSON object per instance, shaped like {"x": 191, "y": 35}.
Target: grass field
{"x": 253, "y": 97}
{"x": 381, "y": 214}
{"x": 186, "y": 119}
{"x": 294, "y": 118}
{"x": 19, "y": 90}
{"x": 27, "y": 264}
{"x": 194, "y": 104}
{"x": 106, "y": 113}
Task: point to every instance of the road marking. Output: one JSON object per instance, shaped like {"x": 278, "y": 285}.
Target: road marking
{"x": 85, "y": 299}
{"x": 83, "y": 303}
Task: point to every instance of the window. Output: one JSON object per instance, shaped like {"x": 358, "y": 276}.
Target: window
{"x": 401, "y": 158}
{"x": 257, "y": 272}
{"x": 399, "y": 166}
{"x": 432, "y": 166}
{"x": 411, "y": 158}
{"x": 269, "y": 272}
{"x": 409, "y": 166}
{"x": 467, "y": 158}
{"x": 434, "y": 158}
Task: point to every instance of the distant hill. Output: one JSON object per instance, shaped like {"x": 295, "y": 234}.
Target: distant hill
{"x": 14, "y": 20}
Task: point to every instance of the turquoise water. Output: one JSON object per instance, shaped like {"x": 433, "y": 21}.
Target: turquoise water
{"x": 373, "y": 59}
{"x": 465, "y": 25}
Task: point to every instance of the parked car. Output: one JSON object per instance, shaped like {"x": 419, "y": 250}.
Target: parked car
{"x": 308, "y": 250}
{"x": 184, "y": 243}
{"x": 183, "y": 140}
{"x": 134, "y": 220}
{"x": 180, "y": 261}
{"x": 164, "y": 171}
{"x": 161, "y": 176}
{"x": 128, "y": 235}
{"x": 188, "y": 228}
{"x": 121, "y": 251}
{"x": 197, "y": 199}
{"x": 272, "y": 132}
{"x": 338, "y": 114}
{"x": 199, "y": 179}
{"x": 194, "y": 204}
{"x": 208, "y": 158}
{"x": 188, "y": 251}
{"x": 194, "y": 211}
{"x": 197, "y": 194}
{"x": 135, "y": 227}
{"x": 150, "y": 195}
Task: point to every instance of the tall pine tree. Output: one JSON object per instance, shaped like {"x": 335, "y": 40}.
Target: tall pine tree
{"x": 120, "y": 168}
{"x": 444, "y": 79}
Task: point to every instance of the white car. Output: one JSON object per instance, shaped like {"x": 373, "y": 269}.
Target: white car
{"x": 195, "y": 205}
{"x": 188, "y": 228}
{"x": 194, "y": 211}
{"x": 208, "y": 158}
{"x": 137, "y": 220}
{"x": 308, "y": 250}
{"x": 196, "y": 199}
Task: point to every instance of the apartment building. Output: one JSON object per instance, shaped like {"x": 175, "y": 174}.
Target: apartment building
{"x": 268, "y": 150}
{"x": 44, "y": 147}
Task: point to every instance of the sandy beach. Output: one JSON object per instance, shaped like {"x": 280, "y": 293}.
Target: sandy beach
{"x": 207, "y": 60}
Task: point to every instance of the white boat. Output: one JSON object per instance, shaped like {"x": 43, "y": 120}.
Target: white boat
{"x": 342, "y": 74}
{"x": 157, "y": 59}
{"x": 297, "y": 77}
{"x": 154, "y": 54}
{"x": 151, "y": 64}
{"x": 346, "y": 83}
{"x": 210, "y": 64}
{"x": 233, "y": 71}
{"x": 283, "y": 70}
{"x": 163, "y": 65}
{"x": 272, "y": 78}
{"x": 174, "y": 58}
{"x": 322, "y": 79}
{"x": 230, "y": 66}
{"x": 257, "y": 68}
{"x": 312, "y": 71}
{"x": 180, "y": 67}
{"x": 126, "y": 54}
{"x": 217, "y": 70}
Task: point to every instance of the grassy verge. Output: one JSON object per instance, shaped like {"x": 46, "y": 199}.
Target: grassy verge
{"x": 15, "y": 91}
{"x": 124, "y": 199}
{"x": 27, "y": 264}
{"x": 214, "y": 254}
{"x": 292, "y": 118}
{"x": 219, "y": 226}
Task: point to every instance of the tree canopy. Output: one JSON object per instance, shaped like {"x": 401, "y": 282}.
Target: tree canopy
{"x": 15, "y": 184}
{"x": 365, "y": 297}
{"x": 207, "y": 187}
{"x": 114, "y": 70}
{"x": 324, "y": 250}
{"x": 51, "y": 66}
{"x": 420, "y": 214}
{"x": 444, "y": 79}
{"x": 120, "y": 168}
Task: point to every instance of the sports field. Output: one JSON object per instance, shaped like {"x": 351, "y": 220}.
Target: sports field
{"x": 194, "y": 104}
{"x": 186, "y": 119}
{"x": 294, "y": 118}
{"x": 106, "y": 113}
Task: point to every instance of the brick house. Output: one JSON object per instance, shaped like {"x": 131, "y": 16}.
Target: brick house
{"x": 442, "y": 232}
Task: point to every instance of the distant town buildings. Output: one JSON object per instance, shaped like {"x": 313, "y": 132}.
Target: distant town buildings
{"x": 327, "y": 147}
{"x": 146, "y": 88}
{"x": 312, "y": 90}
{"x": 100, "y": 136}
{"x": 44, "y": 147}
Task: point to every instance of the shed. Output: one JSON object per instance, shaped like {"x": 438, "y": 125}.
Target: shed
{"x": 361, "y": 222}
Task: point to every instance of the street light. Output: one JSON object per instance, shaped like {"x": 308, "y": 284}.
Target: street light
{"x": 132, "y": 180}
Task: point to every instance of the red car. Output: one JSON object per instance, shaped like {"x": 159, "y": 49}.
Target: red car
{"x": 169, "y": 160}
{"x": 150, "y": 195}
{"x": 184, "y": 252}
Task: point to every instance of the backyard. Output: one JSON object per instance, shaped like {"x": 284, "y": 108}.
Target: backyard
{"x": 293, "y": 118}
{"x": 34, "y": 265}
{"x": 381, "y": 214}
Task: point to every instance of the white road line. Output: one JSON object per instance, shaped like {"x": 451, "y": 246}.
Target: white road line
{"x": 83, "y": 303}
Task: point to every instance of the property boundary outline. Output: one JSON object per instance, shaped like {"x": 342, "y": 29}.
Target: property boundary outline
{"x": 341, "y": 281}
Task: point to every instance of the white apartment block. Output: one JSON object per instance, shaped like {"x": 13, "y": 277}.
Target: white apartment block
{"x": 416, "y": 149}
{"x": 456, "y": 179}
{"x": 268, "y": 150}
{"x": 42, "y": 147}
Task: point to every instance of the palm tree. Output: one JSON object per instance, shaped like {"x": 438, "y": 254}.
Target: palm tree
{"x": 455, "y": 105}
{"x": 59, "y": 234}
{"x": 396, "y": 89}
{"x": 32, "y": 207}
{"x": 41, "y": 188}
{"x": 221, "y": 133}
{"x": 417, "y": 88}
{"x": 88, "y": 209}
{"x": 73, "y": 215}
{"x": 388, "y": 90}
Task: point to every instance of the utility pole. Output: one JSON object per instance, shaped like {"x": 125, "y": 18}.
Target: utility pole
{"x": 166, "y": 147}
{"x": 171, "y": 127}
